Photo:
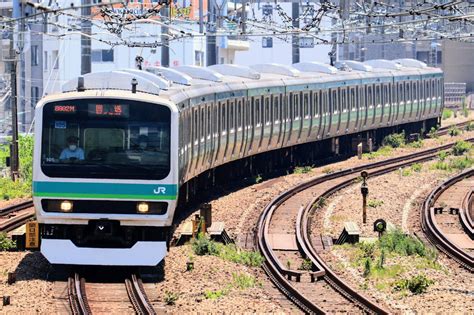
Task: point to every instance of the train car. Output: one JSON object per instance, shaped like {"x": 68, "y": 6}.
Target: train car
{"x": 114, "y": 148}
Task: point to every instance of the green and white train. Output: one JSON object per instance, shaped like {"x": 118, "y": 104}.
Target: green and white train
{"x": 113, "y": 149}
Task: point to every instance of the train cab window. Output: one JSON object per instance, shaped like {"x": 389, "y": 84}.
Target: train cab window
{"x": 105, "y": 138}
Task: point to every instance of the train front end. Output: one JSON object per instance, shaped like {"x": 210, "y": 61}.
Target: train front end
{"x": 105, "y": 177}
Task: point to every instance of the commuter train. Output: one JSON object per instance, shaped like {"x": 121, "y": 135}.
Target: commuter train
{"x": 113, "y": 149}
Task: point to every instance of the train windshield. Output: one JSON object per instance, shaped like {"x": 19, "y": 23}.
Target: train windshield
{"x": 97, "y": 138}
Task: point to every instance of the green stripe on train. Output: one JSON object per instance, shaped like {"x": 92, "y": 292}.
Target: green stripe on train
{"x": 105, "y": 190}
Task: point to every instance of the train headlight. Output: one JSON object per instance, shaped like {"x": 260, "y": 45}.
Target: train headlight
{"x": 66, "y": 206}
{"x": 143, "y": 207}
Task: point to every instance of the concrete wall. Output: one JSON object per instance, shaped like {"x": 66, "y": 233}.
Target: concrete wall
{"x": 458, "y": 63}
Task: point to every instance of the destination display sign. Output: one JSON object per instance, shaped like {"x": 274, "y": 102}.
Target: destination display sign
{"x": 109, "y": 110}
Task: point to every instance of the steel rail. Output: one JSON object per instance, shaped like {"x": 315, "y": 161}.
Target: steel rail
{"x": 274, "y": 269}
{"x": 138, "y": 298}
{"x": 465, "y": 214}
{"x": 445, "y": 130}
{"x": 77, "y": 296}
{"x": 13, "y": 222}
{"x": 432, "y": 229}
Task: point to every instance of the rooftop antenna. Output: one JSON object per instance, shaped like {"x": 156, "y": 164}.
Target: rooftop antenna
{"x": 134, "y": 85}
{"x": 80, "y": 84}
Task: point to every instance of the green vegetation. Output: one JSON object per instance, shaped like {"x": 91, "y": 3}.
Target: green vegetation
{"x": 302, "y": 169}
{"x": 328, "y": 170}
{"x": 406, "y": 172}
{"x": 382, "y": 151}
{"x": 6, "y": 243}
{"x": 243, "y": 281}
{"x": 321, "y": 203}
{"x": 416, "y": 285}
{"x": 416, "y": 167}
{"x": 442, "y": 155}
{"x": 394, "y": 140}
{"x": 204, "y": 246}
{"x": 240, "y": 281}
{"x": 213, "y": 295}
{"x": 307, "y": 264}
{"x": 454, "y": 131}
{"x": 386, "y": 260}
{"x": 373, "y": 203}
{"x": 22, "y": 187}
{"x": 258, "y": 179}
{"x": 461, "y": 147}
{"x": 433, "y": 132}
{"x": 171, "y": 298}
{"x": 470, "y": 126}
{"x": 415, "y": 144}
{"x": 447, "y": 113}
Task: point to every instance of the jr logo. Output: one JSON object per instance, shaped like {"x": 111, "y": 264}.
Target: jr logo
{"x": 159, "y": 190}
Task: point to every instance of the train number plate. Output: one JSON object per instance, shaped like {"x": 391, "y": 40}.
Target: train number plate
{"x": 32, "y": 235}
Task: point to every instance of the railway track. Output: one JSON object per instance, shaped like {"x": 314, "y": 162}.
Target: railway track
{"x": 16, "y": 215}
{"x": 319, "y": 290}
{"x": 445, "y": 130}
{"x": 136, "y": 299}
{"x": 442, "y": 218}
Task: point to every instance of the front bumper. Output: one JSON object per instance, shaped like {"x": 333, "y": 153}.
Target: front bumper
{"x": 62, "y": 251}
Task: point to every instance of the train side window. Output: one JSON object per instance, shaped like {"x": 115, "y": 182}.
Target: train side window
{"x": 231, "y": 115}
{"x": 378, "y": 101}
{"x": 352, "y": 98}
{"x": 316, "y": 102}
{"x": 305, "y": 105}
{"x": 239, "y": 114}
{"x": 343, "y": 99}
{"x": 257, "y": 111}
{"x": 267, "y": 118}
{"x": 296, "y": 99}
{"x": 276, "y": 109}
{"x": 223, "y": 117}
{"x": 433, "y": 88}
{"x": 195, "y": 129}
{"x": 369, "y": 96}
{"x": 400, "y": 92}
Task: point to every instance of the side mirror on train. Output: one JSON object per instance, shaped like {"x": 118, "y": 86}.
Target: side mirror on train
{"x": 7, "y": 161}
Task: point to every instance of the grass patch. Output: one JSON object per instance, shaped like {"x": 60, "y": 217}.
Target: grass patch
{"x": 415, "y": 144}
{"x": 461, "y": 147}
{"x": 213, "y": 295}
{"x": 243, "y": 281}
{"x": 6, "y": 243}
{"x": 406, "y": 172}
{"x": 454, "y": 131}
{"x": 302, "y": 169}
{"x": 202, "y": 245}
{"x": 381, "y": 152}
{"x": 328, "y": 170}
{"x": 417, "y": 284}
{"x": 416, "y": 167}
{"x": 374, "y": 203}
{"x": 447, "y": 113}
{"x": 395, "y": 140}
{"x": 171, "y": 298}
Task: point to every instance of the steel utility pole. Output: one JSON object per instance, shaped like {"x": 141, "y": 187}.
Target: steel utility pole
{"x": 165, "y": 46}
{"x": 14, "y": 160}
{"x": 295, "y": 47}
{"x": 211, "y": 34}
{"x": 85, "y": 38}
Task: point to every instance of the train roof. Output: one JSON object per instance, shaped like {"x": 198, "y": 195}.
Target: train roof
{"x": 186, "y": 82}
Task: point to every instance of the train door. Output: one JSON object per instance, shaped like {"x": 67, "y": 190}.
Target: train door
{"x": 325, "y": 112}
{"x": 240, "y": 128}
{"x": 351, "y": 109}
{"x": 230, "y": 132}
{"x": 285, "y": 103}
{"x": 386, "y": 103}
{"x": 309, "y": 117}
{"x": 423, "y": 98}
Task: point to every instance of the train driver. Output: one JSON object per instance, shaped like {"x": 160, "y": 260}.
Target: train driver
{"x": 72, "y": 152}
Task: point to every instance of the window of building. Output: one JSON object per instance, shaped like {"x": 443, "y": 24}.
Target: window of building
{"x": 102, "y": 55}
{"x": 55, "y": 61}
{"x": 45, "y": 62}
{"x": 34, "y": 55}
{"x": 199, "y": 58}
